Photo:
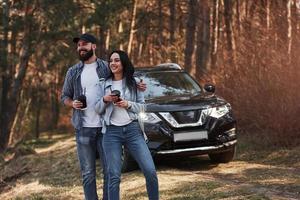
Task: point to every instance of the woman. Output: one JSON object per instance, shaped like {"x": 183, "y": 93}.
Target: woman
{"x": 120, "y": 125}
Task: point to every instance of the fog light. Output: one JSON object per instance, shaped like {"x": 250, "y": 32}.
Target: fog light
{"x": 231, "y": 132}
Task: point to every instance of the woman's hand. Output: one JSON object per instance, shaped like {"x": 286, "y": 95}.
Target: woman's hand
{"x": 122, "y": 103}
{"x": 110, "y": 98}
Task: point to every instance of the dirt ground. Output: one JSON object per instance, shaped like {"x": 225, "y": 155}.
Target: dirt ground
{"x": 52, "y": 173}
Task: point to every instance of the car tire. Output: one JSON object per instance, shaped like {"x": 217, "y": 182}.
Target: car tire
{"x": 223, "y": 157}
{"x": 128, "y": 163}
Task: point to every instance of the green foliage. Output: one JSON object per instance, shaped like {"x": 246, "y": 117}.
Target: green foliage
{"x": 106, "y": 12}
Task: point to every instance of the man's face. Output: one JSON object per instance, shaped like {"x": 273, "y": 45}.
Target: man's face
{"x": 85, "y": 50}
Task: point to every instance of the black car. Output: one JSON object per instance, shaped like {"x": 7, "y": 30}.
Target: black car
{"x": 183, "y": 119}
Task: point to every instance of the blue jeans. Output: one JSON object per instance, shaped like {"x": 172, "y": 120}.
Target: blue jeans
{"x": 130, "y": 136}
{"x": 89, "y": 141}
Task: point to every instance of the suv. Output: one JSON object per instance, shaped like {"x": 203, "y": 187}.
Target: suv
{"x": 183, "y": 119}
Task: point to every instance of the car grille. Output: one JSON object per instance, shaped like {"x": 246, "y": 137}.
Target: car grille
{"x": 185, "y": 117}
{"x": 181, "y": 119}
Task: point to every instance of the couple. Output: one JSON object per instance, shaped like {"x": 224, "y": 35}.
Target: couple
{"x": 109, "y": 121}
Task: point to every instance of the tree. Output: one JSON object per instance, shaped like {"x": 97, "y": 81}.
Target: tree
{"x": 29, "y": 27}
{"x": 172, "y": 8}
{"x": 190, "y": 35}
{"x": 101, "y": 16}
{"x": 132, "y": 24}
{"x": 203, "y": 39}
{"x": 215, "y": 34}
{"x": 228, "y": 7}
{"x": 11, "y": 82}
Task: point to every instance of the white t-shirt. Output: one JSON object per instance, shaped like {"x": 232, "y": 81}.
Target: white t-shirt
{"x": 90, "y": 84}
{"x": 119, "y": 116}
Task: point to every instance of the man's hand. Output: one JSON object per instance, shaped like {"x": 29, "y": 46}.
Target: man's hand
{"x": 73, "y": 103}
{"x": 142, "y": 86}
{"x": 77, "y": 104}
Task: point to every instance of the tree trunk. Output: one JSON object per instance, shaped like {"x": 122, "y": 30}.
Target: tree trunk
{"x": 203, "y": 38}
{"x": 101, "y": 48}
{"x": 5, "y": 78}
{"x": 190, "y": 35}
{"x": 107, "y": 40}
{"x": 37, "y": 109}
{"x": 172, "y": 29}
{"x": 289, "y": 29}
{"x": 280, "y": 25}
{"x": 228, "y": 5}
{"x": 54, "y": 96}
{"x": 295, "y": 37}
{"x": 150, "y": 43}
{"x": 249, "y": 11}
{"x": 120, "y": 31}
{"x": 4, "y": 55}
{"x": 132, "y": 27}
{"x": 238, "y": 17}
{"x": 220, "y": 19}
{"x": 18, "y": 124}
{"x": 268, "y": 15}
{"x": 54, "y": 108}
{"x": 160, "y": 23}
{"x": 214, "y": 39}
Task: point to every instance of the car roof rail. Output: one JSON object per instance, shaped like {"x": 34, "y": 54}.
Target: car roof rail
{"x": 169, "y": 66}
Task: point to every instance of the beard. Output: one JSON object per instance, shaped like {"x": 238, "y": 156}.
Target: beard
{"x": 86, "y": 56}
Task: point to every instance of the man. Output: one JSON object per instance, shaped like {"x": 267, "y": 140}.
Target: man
{"x": 83, "y": 79}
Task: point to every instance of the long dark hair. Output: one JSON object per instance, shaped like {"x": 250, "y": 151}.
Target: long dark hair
{"x": 128, "y": 69}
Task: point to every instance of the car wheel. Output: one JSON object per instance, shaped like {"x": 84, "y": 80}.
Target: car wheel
{"x": 223, "y": 157}
{"x": 128, "y": 163}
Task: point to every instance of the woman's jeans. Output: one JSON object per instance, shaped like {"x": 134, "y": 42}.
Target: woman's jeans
{"x": 89, "y": 142}
{"x": 132, "y": 138}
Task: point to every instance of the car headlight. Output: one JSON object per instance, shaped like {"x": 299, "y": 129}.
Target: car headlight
{"x": 149, "y": 117}
{"x": 217, "y": 112}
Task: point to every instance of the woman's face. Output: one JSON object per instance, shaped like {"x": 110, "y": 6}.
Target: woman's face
{"x": 115, "y": 64}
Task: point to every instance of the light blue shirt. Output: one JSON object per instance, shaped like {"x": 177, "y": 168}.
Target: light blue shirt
{"x": 135, "y": 99}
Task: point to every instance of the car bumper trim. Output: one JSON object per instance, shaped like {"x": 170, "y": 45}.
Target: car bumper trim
{"x": 207, "y": 148}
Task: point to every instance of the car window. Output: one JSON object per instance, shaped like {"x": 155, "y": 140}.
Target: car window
{"x": 169, "y": 83}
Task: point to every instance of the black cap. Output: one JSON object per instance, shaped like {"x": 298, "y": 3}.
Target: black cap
{"x": 86, "y": 37}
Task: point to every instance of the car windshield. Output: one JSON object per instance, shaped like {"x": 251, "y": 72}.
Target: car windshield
{"x": 169, "y": 83}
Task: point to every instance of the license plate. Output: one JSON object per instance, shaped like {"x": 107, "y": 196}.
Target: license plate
{"x": 190, "y": 136}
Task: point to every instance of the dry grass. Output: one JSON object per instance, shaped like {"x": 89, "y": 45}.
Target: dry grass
{"x": 256, "y": 173}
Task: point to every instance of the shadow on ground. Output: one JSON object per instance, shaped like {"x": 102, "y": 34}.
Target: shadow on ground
{"x": 190, "y": 163}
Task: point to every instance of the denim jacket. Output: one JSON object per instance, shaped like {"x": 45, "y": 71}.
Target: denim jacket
{"x": 72, "y": 86}
{"x": 135, "y": 99}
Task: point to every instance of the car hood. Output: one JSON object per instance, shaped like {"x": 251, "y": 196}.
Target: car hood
{"x": 184, "y": 102}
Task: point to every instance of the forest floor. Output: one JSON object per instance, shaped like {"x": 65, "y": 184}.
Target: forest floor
{"x": 256, "y": 173}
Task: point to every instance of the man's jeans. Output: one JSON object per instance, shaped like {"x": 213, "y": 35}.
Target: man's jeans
{"x": 89, "y": 141}
{"x": 131, "y": 136}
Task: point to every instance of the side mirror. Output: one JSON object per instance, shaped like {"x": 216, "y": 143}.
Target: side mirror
{"x": 209, "y": 88}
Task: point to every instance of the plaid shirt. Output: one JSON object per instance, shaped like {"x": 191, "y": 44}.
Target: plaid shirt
{"x": 72, "y": 86}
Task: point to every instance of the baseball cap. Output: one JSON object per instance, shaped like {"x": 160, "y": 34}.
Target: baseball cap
{"x": 86, "y": 37}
